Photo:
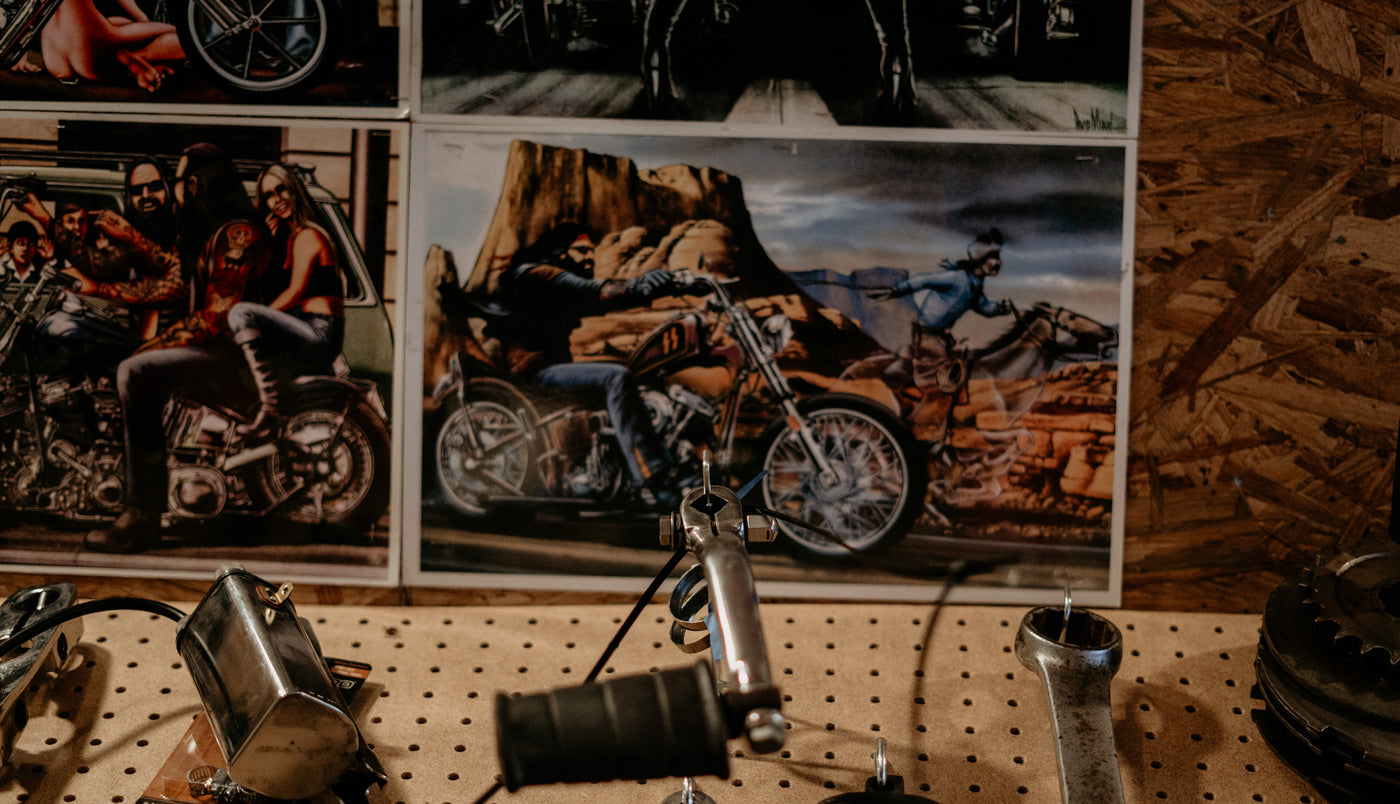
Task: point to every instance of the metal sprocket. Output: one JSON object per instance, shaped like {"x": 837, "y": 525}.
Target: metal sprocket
{"x": 1357, "y": 599}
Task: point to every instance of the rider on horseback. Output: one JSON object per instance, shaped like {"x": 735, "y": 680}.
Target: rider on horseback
{"x": 940, "y": 299}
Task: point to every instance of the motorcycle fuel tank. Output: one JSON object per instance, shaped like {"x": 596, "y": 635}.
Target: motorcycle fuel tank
{"x": 277, "y": 715}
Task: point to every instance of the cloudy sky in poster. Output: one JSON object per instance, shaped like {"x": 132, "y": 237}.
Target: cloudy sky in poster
{"x": 844, "y": 205}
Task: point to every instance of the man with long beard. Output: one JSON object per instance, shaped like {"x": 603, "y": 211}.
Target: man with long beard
{"x": 221, "y": 237}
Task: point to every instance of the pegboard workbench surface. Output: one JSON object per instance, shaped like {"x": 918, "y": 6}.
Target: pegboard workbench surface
{"x": 964, "y": 721}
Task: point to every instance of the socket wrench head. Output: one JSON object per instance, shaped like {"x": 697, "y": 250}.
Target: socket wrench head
{"x": 1090, "y": 642}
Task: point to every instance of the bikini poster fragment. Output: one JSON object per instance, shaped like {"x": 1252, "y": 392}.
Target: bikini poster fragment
{"x": 197, "y": 359}
{"x": 319, "y": 57}
{"x": 911, "y": 348}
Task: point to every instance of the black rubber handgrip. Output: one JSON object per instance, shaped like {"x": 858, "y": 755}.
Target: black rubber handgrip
{"x": 648, "y": 726}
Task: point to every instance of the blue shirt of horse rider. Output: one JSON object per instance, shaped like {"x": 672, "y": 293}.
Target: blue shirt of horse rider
{"x": 941, "y": 297}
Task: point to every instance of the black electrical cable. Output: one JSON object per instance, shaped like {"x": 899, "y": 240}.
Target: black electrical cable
{"x": 73, "y": 612}
{"x": 495, "y": 788}
{"x": 635, "y": 613}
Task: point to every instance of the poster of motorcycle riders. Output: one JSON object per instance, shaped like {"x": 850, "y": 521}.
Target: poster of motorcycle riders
{"x": 203, "y": 55}
{"x": 906, "y": 350}
{"x": 196, "y": 363}
{"x": 1010, "y": 65}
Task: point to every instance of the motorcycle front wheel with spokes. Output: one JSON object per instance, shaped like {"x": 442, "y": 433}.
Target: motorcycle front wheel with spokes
{"x": 484, "y": 448}
{"x": 873, "y": 493}
{"x": 261, "y": 47}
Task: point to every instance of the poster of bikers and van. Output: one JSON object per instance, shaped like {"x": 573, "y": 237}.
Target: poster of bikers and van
{"x": 905, "y": 351}
{"x": 323, "y": 56}
{"x": 1011, "y": 65}
{"x": 196, "y": 352}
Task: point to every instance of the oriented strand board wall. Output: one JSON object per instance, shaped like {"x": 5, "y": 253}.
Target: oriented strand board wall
{"x": 1265, "y": 393}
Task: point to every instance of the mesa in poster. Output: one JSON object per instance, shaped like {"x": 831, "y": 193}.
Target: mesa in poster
{"x": 202, "y": 53}
{"x": 908, "y": 348}
{"x": 196, "y": 350}
{"x": 1010, "y": 65}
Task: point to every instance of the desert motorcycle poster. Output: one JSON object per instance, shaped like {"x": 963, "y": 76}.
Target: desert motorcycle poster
{"x": 910, "y": 348}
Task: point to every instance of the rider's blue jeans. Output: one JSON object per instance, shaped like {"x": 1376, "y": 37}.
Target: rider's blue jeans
{"x": 625, "y": 411}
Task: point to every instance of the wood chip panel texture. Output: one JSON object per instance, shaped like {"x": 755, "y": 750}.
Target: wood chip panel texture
{"x": 1265, "y": 396}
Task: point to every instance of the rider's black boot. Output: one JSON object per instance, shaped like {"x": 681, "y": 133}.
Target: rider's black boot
{"x": 133, "y": 532}
{"x": 659, "y": 86}
{"x": 898, "y": 94}
{"x": 268, "y": 383}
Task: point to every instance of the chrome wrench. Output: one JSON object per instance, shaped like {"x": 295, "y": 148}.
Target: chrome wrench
{"x": 1076, "y": 653}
